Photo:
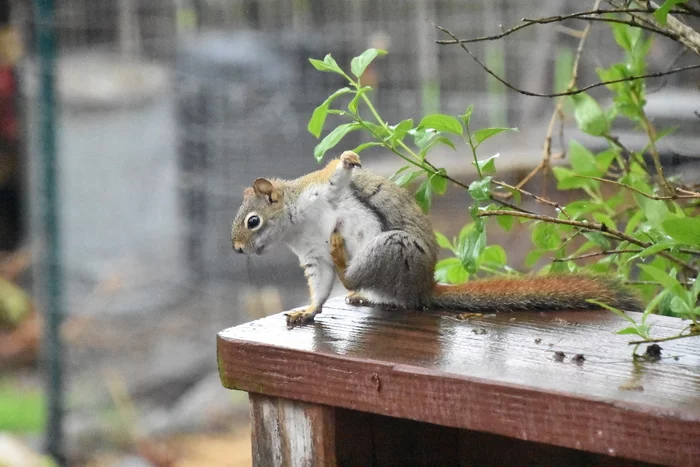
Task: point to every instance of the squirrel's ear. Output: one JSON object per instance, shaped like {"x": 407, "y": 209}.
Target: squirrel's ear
{"x": 263, "y": 187}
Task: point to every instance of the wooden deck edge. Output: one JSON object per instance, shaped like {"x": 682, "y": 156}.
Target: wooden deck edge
{"x": 605, "y": 427}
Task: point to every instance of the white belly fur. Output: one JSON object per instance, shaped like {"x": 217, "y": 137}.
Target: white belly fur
{"x": 311, "y": 235}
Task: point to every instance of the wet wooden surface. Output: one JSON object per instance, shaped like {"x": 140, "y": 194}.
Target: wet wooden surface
{"x": 495, "y": 374}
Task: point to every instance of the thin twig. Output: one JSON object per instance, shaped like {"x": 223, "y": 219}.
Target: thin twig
{"x": 627, "y": 153}
{"x": 596, "y": 253}
{"x": 551, "y": 19}
{"x": 554, "y": 204}
{"x": 651, "y": 133}
{"x": 609, "y": 231}
{"x": 664, "y": 339}
{"x": 559, "y": 111}
{"x": 685, "y": 284}
{"x": 566, "y": 93}
{"x": 647, "y": 195}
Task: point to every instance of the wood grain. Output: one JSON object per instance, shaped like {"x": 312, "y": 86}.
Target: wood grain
{"x": 291, "y": 433}
{"x": 495, "y": 374}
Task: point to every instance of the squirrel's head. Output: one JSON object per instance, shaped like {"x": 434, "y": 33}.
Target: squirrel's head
{"x": 257, "y": 224}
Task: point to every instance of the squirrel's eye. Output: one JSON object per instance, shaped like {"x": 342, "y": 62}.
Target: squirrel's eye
{"x": 253, "y": 222}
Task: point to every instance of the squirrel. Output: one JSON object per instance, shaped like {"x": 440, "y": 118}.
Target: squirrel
{"x": 347, "y": 221}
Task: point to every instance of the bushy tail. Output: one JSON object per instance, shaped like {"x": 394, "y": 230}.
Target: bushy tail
{"x": 549, "y": 292}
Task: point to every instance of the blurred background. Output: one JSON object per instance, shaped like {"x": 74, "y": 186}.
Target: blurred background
{"x": 165, "y": 111}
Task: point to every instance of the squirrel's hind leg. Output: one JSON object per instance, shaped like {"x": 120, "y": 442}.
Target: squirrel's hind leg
{"x": 395, "y": 268}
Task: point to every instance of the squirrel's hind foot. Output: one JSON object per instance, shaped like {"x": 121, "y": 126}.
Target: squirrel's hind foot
{"x": 356, "y": 299}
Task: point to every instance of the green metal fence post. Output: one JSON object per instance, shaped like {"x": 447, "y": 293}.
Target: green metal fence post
{"x": 46, "y": 48}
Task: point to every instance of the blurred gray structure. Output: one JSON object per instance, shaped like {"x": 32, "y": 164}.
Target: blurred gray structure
{"x": 169, "y": 108}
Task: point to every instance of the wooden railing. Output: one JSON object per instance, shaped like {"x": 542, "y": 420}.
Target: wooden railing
{"x": 364, "y": 386}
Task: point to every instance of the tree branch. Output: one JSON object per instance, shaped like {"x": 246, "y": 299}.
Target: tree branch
{"x": 554, "y": 204}
{"x": 570, "y": 92}
{"x": 647, "y": 195}
{"x": 664, "y": 339}
{"x": 684, "y": 34}
{"x": 556, "y": 19}
{"x": 594, "y": 226}
{"x": 558, "y": 112}
{"x": 594, "y": 254}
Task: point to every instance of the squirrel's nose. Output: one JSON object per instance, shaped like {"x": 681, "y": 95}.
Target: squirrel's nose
{"x": 237, "y": 247}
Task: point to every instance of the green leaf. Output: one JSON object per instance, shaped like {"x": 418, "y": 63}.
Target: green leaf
{"x": 534, "y": 256}
{"x": 695, "y": 290}
{"x": 443, "y": 241}
{"x": 434, "y": 140}
{"x": 663, "y": 278}
{"x": 467, "y": 116}
{"x": 318, "y": 118}
{"x": 378, "y": 131}
{"x": 579, "y": 208}
{"x": 361, "y": 62}
{"x": 352, "y": 105}
{"x": 441, "y": 122}
{"x": 423, "y": 137}
{"x": 583, "y": 161}
{"x": 457, "y": 274}
{"x": 679, "y": 306}
{"x": 567, "y": 179}
{"x": 333, "y": 138}
{"x": 327, "y": 65}
{"x": 424, "y": 196}
{"x": 487, "y": 166}
{"x": 545, "y": 236}
{"x": 603, "y": 218}
{"x": 598, "y": 238}
{"x": 482, "y": 135}
{"x": 364, "y": 146}
{"x": 399, "y": 131}
{"x": 655, "y": 210}
{"x": 450, "y": 270}
{"x": 407, "y": 178}
{"x": 494, "y": 254}
{"x": 662, "y": 12}
{"x": 604, "y": 159}
{"x": 685, "y": 230}
{"x": 589, "y": 116}
{"x": 634, "y": 221}
{"x": 398, "y": 172}
{"x": 625, "y": 36}
{"x": 506, "y": 222}
{"x": 629, "y": 330}
{"x": 470, "y": 249}
{"x": 651, "y": 250}
{"x": 439, "y": 182}
{"x": 480, "y": 190}
{"x": 464, "y": 232}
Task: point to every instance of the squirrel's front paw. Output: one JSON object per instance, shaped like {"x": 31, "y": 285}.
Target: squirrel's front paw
{"x": 305, "y": 316}
{"x": 350, "y": 160}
